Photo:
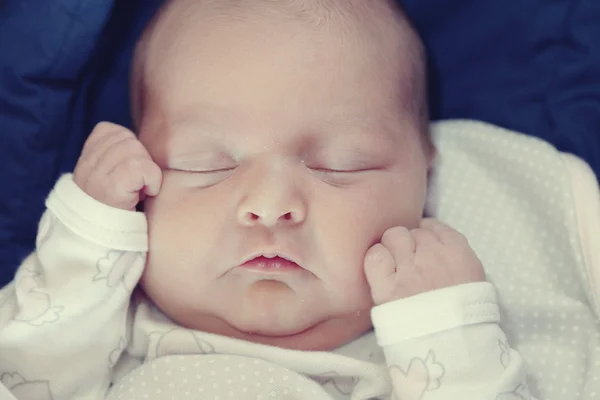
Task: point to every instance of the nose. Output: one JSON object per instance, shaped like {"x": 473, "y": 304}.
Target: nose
{"x": 271, "y": 199}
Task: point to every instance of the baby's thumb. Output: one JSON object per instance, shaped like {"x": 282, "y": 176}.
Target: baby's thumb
{"x": 379, "y": 265}
{"x": 152, "y": 177}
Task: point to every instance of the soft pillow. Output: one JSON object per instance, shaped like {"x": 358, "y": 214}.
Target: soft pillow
{"x": 531, "y": 66}
{"x": 44, "y": 50}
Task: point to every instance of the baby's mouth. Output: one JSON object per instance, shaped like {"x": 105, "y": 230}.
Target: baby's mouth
{"x": 275, "y": 264}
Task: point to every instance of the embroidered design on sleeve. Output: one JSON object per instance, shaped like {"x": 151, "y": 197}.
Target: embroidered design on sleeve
{"x": 37, "y": 307}
{"x": 504, "y": 353}
{"x": 343, "y": 384}
{"x": 422, "y": 375}
{"x": 114, "y": 355}
{"x": 120, "y": 267}
{"x": 23, "y": 389}
{"x": 45, "y": 229}
{"x": 177, "y": 341}
{"x": 520, "y": 393}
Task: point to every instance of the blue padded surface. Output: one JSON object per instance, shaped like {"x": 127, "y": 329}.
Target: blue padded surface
{"x": 44, "y": 48}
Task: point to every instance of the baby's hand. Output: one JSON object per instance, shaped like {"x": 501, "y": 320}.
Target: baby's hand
{"x": 115, "y": 168}
{"x": 431, "y": 257}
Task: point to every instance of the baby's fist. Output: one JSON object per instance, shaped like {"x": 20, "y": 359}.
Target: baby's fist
{"x": 115, "y": 168}
{"x": 406, "y": 263}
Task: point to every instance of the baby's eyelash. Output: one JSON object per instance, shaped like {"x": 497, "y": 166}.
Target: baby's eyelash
{"x": 209, "y": 171}
{"x": 341, "y": 171}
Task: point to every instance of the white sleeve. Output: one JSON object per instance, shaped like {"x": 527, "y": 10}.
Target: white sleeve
{"x": 586, "y": 198}
{"x": 448, "y": 344}
{"x": 64, "y": 318}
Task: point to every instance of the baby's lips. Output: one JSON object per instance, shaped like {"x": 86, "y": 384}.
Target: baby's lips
{"x": 269, "y": 255}
{"x": 276, "y": 264}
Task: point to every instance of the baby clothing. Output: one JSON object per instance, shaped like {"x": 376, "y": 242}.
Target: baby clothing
{"x": 532, "y": 215}
{"x": 71, "y": 329}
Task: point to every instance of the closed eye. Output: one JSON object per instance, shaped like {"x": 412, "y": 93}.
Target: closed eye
{"x": 201, "y": 178}
{"x": 342, "y": 171}
{"x": 207, "y": 171}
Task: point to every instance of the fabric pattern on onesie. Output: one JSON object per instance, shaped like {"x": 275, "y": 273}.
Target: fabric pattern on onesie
{"x": 119, "y": 267}
{"x": 422, "y": 375}
{"x": 64, "y": 316}
{"x": 353, "y": 370}
{"x": 41, "y": 308}
{"x": 215, "y": 377}
{"x": 23, "y": 389}
{"x": 511, "y": 197}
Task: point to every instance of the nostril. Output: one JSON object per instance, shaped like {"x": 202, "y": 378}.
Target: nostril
{"x": 269, "y": 218}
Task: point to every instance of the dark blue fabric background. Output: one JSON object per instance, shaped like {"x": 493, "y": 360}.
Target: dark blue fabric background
{"x": 528, "y": 65}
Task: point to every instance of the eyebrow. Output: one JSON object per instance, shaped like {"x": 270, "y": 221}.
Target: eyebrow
{"x": 193, "y": 127}
{"x": 206, "y": 123}
{"x": 193, "y": 120}
{"x": 203, "y": 114}
{"x": 385, "y": 131}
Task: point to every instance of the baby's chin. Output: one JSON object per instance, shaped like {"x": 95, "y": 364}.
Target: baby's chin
{"x": 269, "y": 312}
{"x": 323, "y": 335}
{"x": 279, "y": 326}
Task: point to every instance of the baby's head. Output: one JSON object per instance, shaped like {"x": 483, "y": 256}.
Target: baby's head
{"x": 295, "y": 128}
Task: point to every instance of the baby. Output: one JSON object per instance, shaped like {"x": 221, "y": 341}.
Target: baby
{"x": 281, "y": 162}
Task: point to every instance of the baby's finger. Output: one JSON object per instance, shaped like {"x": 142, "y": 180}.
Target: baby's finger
{"x": 379, "y": 265}
{"x": 424, "y": 237}
{"x": 399, "y": 242}
{"x": 445, "y": 233}
{"x": 434, "y": 224}
{"x": 128, "y": 182}
{"x": 130, "y": 175}
{"x": 121, "y": 157}
{"x": 115, "y": 189}
{"x": 108, "y": 155}
{"x": 152, "y": 176}
{"x": 127, "y": 200}
{"x": 104, "y": 135}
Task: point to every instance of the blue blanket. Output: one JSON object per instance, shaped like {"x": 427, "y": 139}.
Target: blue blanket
{"x": 529, "y": 65}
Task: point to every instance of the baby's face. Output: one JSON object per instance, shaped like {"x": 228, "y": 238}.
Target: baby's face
{"x": 294, "y": 144}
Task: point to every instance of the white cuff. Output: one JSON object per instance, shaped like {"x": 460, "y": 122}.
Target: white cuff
{"x": 104, "y": 225}
{"x": 435, "y": 311}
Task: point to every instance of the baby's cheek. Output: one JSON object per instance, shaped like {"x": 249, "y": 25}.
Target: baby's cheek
{"x": 351, "y": 288}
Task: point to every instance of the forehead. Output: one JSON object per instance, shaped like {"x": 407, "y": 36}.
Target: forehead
{"x": 221, "y": 71}
{"x": 192, "y": 36}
